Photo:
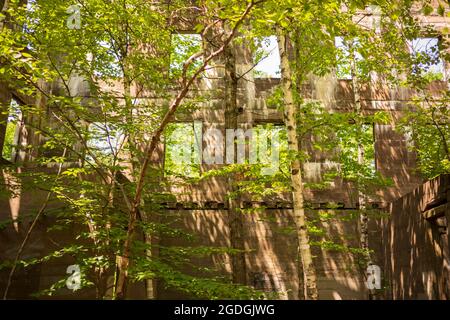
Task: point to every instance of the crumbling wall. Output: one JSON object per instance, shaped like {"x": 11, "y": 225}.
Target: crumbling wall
{"x": 416, "y": 243}
{"x": 271, "y": 252}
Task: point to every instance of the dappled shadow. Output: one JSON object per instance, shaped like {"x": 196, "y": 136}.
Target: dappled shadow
{"x": 416, "y": 249}
{"x": 17, "y": 212}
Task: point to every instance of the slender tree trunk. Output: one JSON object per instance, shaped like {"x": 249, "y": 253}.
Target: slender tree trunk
{"x": 5, "y": 95}
{"x": 362, "y": 198}
{"x": 305, "y": 267}
{"x": 239, "y": 272}
{"x": 124, "y": 260}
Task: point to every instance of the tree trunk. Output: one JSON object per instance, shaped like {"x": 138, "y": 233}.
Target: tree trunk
{"x": 305, "y": 267}
{"x": 239, "y": 272}
{"x": 362, "y": 198}
{"x": 123, "y": 261}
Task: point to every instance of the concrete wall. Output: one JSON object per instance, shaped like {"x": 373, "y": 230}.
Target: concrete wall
{"x": 271, "y": 259}
{"x": 271, "y": 263}
{"x": 416, "y": 243}
{"x": 271, "y": 251}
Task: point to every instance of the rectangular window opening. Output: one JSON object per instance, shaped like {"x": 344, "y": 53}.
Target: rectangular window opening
{"x": 183, "y": 149}
{"x": 427, "y": 60}
{"x": 271, "y": 146}
{"x": 12, "y": 130}
{"x": 343, "y": 57}
{"x": 184, "y": 45}
{"x": 349, "y": 141}
{"x": 103, "y": 140}
{"x": 267, "y": 58}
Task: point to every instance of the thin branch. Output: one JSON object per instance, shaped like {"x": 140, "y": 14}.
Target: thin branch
{"x": 123, "y": 261}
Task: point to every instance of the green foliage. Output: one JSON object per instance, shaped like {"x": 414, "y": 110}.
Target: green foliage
{"x": 211, "y": 288}
{"x": 427, "y": 124}
{"x": 183, "y": 149}
{"x": 9, "y": 140}
{"x": 99, "y": 137}
{"x": 14, "y": 116}
{"x": 183, "y": 47}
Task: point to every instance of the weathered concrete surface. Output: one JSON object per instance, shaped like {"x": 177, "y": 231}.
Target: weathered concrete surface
{"x": 271, "y": 261}
{"x": 272, "y": 251}
{"x": 416, "y": 243}
{"x": 271, "y": 257}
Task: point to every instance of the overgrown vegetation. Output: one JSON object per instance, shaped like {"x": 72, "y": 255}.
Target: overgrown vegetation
{"x": 111, "y": 90}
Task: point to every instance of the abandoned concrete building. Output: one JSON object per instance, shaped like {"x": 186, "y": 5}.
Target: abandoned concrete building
{"x": 410, "y": 237}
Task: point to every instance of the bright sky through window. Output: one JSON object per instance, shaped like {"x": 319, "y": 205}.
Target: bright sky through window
{"x": 268, "y": 61}
{"x": 103, "y": 138}
{"x": 428, "y": 47}
{"x": 343, "y": 58}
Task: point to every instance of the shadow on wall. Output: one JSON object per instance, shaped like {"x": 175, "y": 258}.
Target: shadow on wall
{"x": 416, "y": 243}
{"x": 17, "y": 211}
{"x": 271, "y": 253}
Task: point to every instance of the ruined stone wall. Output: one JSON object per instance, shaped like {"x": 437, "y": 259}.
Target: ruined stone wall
{"x": 416, "y": 243}
{"x": 271, "y": 260}
{"x": 271, "y": 252}
{"x": 271, "y": 256}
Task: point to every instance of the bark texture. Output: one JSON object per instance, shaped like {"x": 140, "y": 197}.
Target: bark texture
{"x": 306, "y": 269}
{"x": 239, "y": 272}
